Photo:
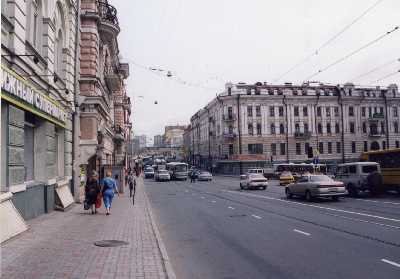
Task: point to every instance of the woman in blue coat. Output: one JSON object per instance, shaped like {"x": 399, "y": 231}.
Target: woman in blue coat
{"x": 109, "y": 187}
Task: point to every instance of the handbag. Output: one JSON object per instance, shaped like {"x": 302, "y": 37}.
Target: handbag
{"x": 98, "y": 201}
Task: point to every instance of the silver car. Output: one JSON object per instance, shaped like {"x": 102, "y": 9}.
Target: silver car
{"x": 162, "y": 175}
{"x": 316, "y": 186}
{"x": 204, "y": 176}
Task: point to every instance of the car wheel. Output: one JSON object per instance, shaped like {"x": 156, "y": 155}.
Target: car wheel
{"x": 241, "y": 186}
{"x": 335, "y": 198}
{"x": 289, "y": 195}
{"x": 264, "y": 188}
{"x": 309, "y": 198}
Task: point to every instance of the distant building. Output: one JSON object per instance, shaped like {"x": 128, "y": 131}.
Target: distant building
{"x": 158, "y": 141}
{"x": 173, "y": 136}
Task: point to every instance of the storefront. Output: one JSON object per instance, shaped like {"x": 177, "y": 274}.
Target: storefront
{"x": 36, "y": 147}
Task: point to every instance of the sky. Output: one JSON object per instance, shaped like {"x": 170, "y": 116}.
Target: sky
{"x": 206, "y": 43}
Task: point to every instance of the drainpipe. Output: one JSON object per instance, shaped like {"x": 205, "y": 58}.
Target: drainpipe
{"x": 316, "y": 124}
{"x": 386, "y": 118}
{"x": 340, "y": 101}
{"x": 287, "y": 128}
{"x": 75, "y": 115}
{"x": 239, "y": 133}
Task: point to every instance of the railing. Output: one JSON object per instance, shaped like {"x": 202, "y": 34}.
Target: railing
{"x": 229, "y": 117}
{"x": 229, "y": 136}
{"x": 376, "y": 116}
{"x": 302, "y": 135}
{"x": 108, "y": 12}
{"x": 375, "y": 134}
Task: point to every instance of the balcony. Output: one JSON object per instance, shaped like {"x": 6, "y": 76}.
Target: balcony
{"x": 377, "y": 117}
{"x": 109, "y": 26}
{"x": 112, "y": 78}
{"x": 376, "y": 134}
{"x": 124, "y": 70}
{"x": 302, "y": 135}
{"x": 229, "y": 136}
{"x": 229, "y": 117}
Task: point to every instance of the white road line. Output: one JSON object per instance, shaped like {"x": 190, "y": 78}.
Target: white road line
{"x": 366, "y": 200}
{"x": 305, "y": 233}
{"x": 214, "y": 201}
{"x": 316, "y": 206}
{"x": 230, "y": 207}
{"x": 390, "y": 262}
{"x": 256, "y": 216}
{"x": 203, "y": 197}
{"x": 186, "y": 191}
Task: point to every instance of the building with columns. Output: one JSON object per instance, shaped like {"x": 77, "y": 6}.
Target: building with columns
{"x": 38, "y": 54}
{"x": 104, "y": 107}
{"x": 252, "y": 125}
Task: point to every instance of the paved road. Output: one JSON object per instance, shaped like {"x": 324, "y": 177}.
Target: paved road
{"x": 213, "y": 230}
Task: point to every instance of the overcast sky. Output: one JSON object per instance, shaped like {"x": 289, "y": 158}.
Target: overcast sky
{"x": 209, "y": 42}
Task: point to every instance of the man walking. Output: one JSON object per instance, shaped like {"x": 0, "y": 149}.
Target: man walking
{"x": 192, "y": 177}
{"x": 132, "y": 184}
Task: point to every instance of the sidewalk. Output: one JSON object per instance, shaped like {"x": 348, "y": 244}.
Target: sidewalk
{"x": 60, "y": 244}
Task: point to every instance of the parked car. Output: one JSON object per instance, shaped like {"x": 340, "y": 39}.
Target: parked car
{"x": 260, "y": 171}
{"x": 162, "y": 175}
{"x": 286, "y": 178}
{"x": 253, "y": 181}
{"x": 360, "y": 176}
{"x": 148, "y": 172}
{"x": 316, "y": 186}
{"x": 204, "y": 176}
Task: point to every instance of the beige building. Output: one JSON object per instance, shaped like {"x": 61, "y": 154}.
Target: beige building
{"x": 173, "y": 135}
{"x": 250, "y": 125}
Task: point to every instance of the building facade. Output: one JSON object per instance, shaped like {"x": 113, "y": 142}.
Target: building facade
{"x": 104, "y": 107}
{"x": 158, "y": 141}
{"x": 173, "y": 135}
{"x": 38, "y": 46}
{"x": 251, "y": 125}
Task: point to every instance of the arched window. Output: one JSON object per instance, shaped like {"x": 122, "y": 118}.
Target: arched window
{"x": 58, "y": 53}
{"x": 34, "y": 23}
{"x": 281, "y": 129}
{"x": 60, "y": 38}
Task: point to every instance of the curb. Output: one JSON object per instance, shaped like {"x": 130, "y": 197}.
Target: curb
{"x": 166, "y": 262}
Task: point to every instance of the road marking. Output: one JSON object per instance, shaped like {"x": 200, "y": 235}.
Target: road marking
{"x": 256, "y": 216}
{"x": 186, "y": 191}
{"x": 203, "y": 197}
{"x": 230, "y": 207}
{"x": 214, "y": 201}
{"x": 299, "y": 231}
{"x": 366, "y": 200}
{"x": 316, "y": 206}
{"x": 390, "y": 262}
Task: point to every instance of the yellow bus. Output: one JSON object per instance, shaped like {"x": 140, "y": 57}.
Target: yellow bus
{"x": 389, "y": 160}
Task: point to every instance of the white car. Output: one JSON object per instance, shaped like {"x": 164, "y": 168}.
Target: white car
{"x": 162, "y": 175}
{"x": 204, "y": 176}
{"x": 253, "y": 181}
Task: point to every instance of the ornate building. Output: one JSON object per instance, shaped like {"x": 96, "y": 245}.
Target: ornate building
{"x": 104, "y": 105}
{"x": 250, "y": 125}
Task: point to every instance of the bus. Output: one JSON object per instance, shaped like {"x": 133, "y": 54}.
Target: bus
{"x": 177, "y": 170}
{"x": 389, "y": 160}
{"x": 298, "y": 169}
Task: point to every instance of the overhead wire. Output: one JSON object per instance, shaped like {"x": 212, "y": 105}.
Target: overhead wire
{"x": 375, "y": 69}
{"x": 353, "y": 53}
{"x": 330, "y": 40}
{"x": 385, "y": 77}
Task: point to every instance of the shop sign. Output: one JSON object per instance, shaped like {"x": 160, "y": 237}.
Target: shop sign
{"x": 38, "y": 103}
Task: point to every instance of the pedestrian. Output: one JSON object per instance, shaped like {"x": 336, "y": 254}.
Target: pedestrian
{"x": 108, "y": 188}
{"x": 92, "y": 190}
{"x": 192, "y": 177}
{"x": 132, "y": 184}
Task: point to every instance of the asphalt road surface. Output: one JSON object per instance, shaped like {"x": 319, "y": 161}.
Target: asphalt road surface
{"x": 214, "y": 230}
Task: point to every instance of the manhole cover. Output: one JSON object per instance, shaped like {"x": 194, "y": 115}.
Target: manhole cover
{"x": 237, "y": 215}
{"x": 110, "y": 243}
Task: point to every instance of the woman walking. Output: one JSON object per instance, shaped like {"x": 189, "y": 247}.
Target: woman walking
{"x": 92, "y": 189}
{"x": 109, "y": 186}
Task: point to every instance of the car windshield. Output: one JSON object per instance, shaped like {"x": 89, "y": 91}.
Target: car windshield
{"x": 320, "y": 178}
{"x": 163, "y": 172}
{"x": 149, "y": 169}
{"x": 180, "y": 168}
{"x": 369, "y": 169}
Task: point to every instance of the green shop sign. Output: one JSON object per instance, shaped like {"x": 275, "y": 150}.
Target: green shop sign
{"x": 21, "y": 93}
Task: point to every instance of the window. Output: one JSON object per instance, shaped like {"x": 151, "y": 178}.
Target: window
{"x": 283, "y": 148}
{"x": 297, "y": 128}
{"x": 319, "y": 111}
{"x": 395, "y": 112}
{"x": 338, "y": 147}
{"x": 329, "y": 147}
{"x": 281, "y": 129}
{"x": 259, "y": 129}
{"x": 34, "y": 23}
{"x": 381, "y": 110}
{"x": 365, "y": 146}
{"x": 353, "y": 147}
{"x": 352, "y": 128}
{"x": 229, "y": 91}
{"x": 273, "y": 149}
{"x": 255, "y": 148}
{"x": 328, "y": 128}
{"x": 382, "y": 127}
{"x": 306, "y": 128}
{"x": 383, "y": 144}
{"x": 298, "y": 148}
{"x": 305, "y": 111}
{"x": 321, "y": 148}
{"x": 29, "y": 150}
{"x": 369, "y": 112}
{"x": 328, "y": 111}
{"x": 351, "y": 111}
{"x": 306, "y": 148}
{"x": 248, "y": 90}
{"x": 319, "y": 128}
{"x": 230, "y": 113}
{"x": 396, "y": 127}
{"x": 258, "y": 111}
{"x": 249, "y": 111}
{"x": 250, "y": 129}
{"x": 273, "y": 132}
{"x": 296, "y": 111}
{"x": 272, "y": 111}
{"x": 397, "y": 144}
{"x": 280, "y": 111}
{"x": 352, "y": 169}
{"x": 337, "y": 129}
{"x": 363, "y": 111}
{"x": 336, "y": 111}
{"x": 364, "y": 128}
{"x": 230, "y": 129}
{"x": 231, "y": 149}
